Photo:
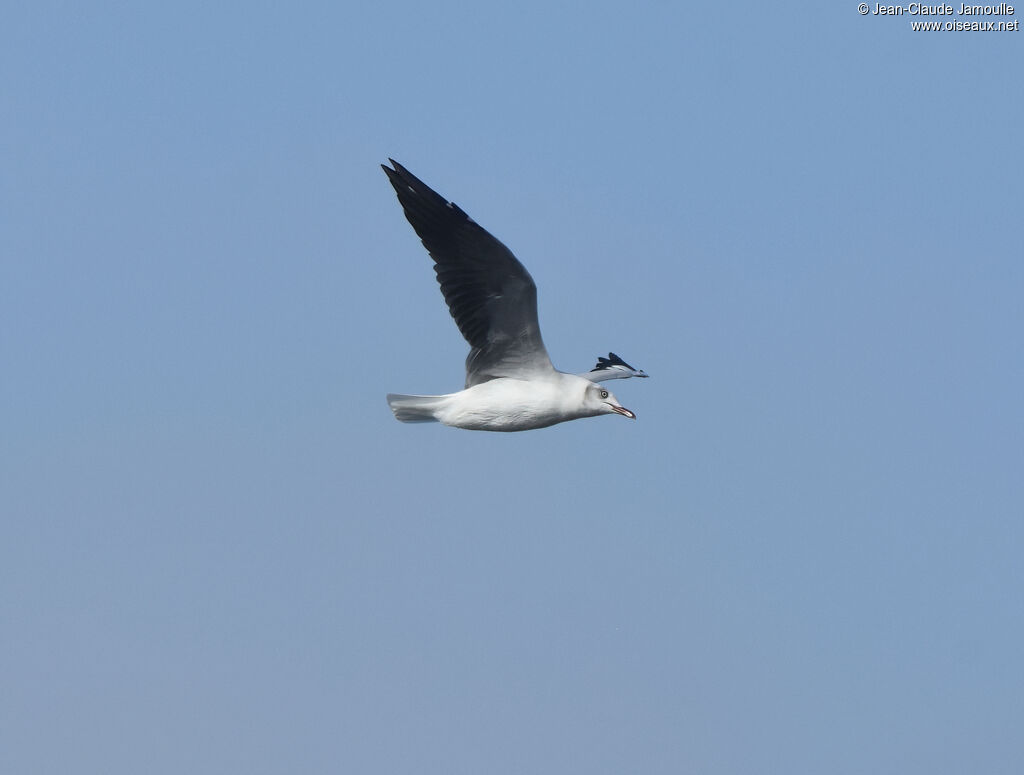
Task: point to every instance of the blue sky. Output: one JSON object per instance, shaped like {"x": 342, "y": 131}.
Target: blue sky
{"x": 219, "y": 551}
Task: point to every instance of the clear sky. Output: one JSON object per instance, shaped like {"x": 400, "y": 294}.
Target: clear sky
{"x": 220, "y": 553}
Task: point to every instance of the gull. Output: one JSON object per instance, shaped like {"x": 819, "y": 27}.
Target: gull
{"x": 613, "y": 367}
{"x": 510, "y": 382}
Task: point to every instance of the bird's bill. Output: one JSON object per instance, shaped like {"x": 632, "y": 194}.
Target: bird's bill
{"x": 623, "y": 411}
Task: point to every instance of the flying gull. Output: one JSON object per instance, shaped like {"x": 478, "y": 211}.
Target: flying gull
{"x": 510, "y": 382}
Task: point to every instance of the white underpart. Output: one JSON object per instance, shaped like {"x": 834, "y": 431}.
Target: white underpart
{"x": 507, "y": 404}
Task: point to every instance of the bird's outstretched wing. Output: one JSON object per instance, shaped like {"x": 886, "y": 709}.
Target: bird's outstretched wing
{"x": 490, "y": 294}
{"x": 612, "y": 367}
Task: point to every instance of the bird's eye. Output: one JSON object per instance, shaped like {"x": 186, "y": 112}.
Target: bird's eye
{"x": 604, "y": 394}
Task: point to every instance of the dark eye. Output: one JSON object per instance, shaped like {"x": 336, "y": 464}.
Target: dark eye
{"x": 604, "y": 394}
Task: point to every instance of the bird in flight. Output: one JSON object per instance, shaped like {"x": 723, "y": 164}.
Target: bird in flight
{"x": 510, "y": 382}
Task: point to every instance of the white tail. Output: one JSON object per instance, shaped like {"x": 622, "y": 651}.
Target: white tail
{"x": 415, "y": 408}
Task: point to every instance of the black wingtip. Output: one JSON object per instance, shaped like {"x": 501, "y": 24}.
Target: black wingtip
{"x": 402, "y": 179}
{"x": 398, "y": 170}
{"x": 611, "y": 360}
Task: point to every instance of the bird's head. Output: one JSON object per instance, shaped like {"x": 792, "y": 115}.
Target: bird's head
{"x": 600, "y": 400}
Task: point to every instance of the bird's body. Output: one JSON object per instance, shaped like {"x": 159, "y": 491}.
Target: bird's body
{"x": 508, "y": 404}
{"x": 510, "y": 382}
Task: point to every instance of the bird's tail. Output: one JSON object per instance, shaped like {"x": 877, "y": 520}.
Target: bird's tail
{"x": 415, "y": 408}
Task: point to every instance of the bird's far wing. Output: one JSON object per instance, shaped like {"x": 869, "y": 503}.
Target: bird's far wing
{"x": 612, "y": 367}
{"x": 489, "y": 293}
